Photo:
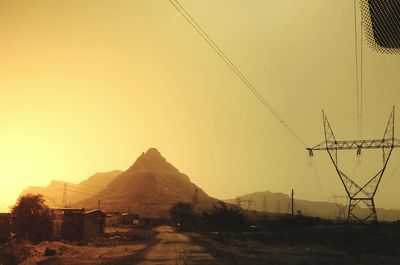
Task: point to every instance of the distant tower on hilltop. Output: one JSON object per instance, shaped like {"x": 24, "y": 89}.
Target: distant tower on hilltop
{"x": 264, "y": 205}
{"x": 64, "y": 199}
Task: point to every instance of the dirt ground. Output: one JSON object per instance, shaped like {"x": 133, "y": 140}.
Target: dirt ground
{"x": 176, "y": 248}
{"x": 308, "y": 247}
{"x": 166, "y": 247}
{"x": 163, "y": 245}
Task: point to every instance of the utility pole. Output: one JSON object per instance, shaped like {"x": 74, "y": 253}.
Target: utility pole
{"x": 98, "y": 204}
{"x": 292, "y": 197}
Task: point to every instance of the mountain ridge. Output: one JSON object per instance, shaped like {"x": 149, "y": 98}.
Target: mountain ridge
{"x": 277, "y": 202}
{"x": 53, "y": 193}
{"x": 149, "y": 187}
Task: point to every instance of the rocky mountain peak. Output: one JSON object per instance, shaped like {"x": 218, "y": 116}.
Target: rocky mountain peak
{"x": 153, "y": 152}
{"x": 149, "y": 187}
{"x": 150, "y": 160}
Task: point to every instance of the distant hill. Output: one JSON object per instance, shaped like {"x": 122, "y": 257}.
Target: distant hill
{"x": 280, "y": 203}
{"x": 149, "y": 187}
{"x": 53, "y": 193}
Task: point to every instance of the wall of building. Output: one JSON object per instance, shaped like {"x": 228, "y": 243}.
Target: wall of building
{"x": 94, "y": 224}
{"x": 72, "y": 226}
{"x": 57, "y": 224}
{"x": 113, "y": 219}
{"x": 77, "y": 225}
{"x": 129, "y": 218}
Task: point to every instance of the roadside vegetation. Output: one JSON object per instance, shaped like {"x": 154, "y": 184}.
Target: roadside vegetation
{"x": 222, "y": 218}
{"x": 243, "y": 237}
{"x": 30, "y": 220}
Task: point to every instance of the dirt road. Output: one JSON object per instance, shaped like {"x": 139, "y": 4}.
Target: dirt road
{"x": 175, "y": 248}
{"x": 168, "y": 247}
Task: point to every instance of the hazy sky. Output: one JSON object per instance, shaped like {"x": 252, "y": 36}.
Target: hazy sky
{"x": 86, "y": 86}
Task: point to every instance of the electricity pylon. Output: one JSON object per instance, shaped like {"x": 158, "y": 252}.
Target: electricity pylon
{"x": 264, "y": 205}
{"x": 357, "y": 193}
{"x": 64, "y": 198}
{"x": 340, "y": 206}
{"x": 247, "y": 203}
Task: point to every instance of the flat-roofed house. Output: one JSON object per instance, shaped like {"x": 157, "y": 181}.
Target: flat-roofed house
{"x": 76, "y": 224}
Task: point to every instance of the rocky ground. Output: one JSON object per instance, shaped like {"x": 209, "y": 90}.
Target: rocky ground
{"x": 161, "y": 245}
{"x": 164, "y": 245}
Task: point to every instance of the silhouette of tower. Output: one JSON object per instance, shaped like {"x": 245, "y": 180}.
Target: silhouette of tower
{"x": 238, "y": 202}
{"x": 64, "y": 199}
{"x": 359, "y": 193}
{"x": 292, "y": 202}
{"x": 264, "y": 205}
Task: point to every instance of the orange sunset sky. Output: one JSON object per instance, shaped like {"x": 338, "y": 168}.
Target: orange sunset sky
{"x": 87, "y": 85}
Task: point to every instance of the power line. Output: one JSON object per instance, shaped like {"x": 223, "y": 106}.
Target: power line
{"x": 81, "y": 191}
{"x": 359, "y": 72}
{"x": 74, "y": 191}
{"x": 361, "y": 79}
{"x": 233, "y": 67}
{"x": 389, "y": 177}
{"x": 91, "y": 186}
{"x": 88, "y": 186}
{"x": 356, "y": 70}
{"x": 88, "y": 191}
{"x": 315, "y": 171}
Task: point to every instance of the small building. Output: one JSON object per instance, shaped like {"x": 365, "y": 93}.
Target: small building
{"x": 5, "y": 218}
{"x": 76, "y": 224}
{"x": 113, "y": 219}
{"x": 94, "y": 223}
{"x": 130, "y": 219}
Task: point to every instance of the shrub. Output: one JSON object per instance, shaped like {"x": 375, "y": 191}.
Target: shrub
{"x": 5, "y": 227}
{"x": 31, "y": 218}
{"x": 183, "y": 216}
{"x": 224, "y": 218}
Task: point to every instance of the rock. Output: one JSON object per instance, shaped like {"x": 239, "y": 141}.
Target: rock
{"x": 49, "y": 252}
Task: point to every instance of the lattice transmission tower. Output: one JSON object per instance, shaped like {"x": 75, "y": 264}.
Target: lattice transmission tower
{"x": 359, "y": 193}
{"x": 64, "y": 198}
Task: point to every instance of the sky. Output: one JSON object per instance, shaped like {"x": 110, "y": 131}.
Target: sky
{"x": 87, "y": 86}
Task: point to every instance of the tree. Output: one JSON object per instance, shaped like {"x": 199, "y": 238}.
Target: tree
{"x": 5, "y": 228}
{"x": 182, "y": 214}
{"x": 224, "y": 218}
{"x": 31, "y": 218}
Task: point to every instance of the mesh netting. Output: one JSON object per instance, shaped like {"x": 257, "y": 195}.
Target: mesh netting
{"x": 381, "y": 21}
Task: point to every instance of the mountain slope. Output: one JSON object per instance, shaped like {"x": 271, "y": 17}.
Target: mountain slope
{"x": 149, "y": 187}
{"x": 280, "y": 203}
{"x": 53, "y": 193}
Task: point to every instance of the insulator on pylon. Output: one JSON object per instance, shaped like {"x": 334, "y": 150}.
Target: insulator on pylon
{"x": 310, "y": 152}
{"x": 358, "y": 151}
{"x": 358, "y": 156}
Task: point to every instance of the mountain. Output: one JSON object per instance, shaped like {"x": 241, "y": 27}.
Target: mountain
{"x": 280, "y": 203}
{"x": 53, "y": 193}
{"x": 149, "y": 188}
